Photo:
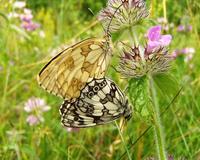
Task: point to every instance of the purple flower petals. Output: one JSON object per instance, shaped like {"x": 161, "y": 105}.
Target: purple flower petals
{"x": 156, "y": 40}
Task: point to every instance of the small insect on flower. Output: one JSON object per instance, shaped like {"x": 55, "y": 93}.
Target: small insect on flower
{"x": 138, "y": 61}
{"x": 100, "y": 102}
{"x": 36, "y": 107}
{"x": 123, "y": 13}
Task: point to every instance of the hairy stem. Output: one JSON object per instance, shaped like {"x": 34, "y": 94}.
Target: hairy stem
{"x": 160, "y": 142}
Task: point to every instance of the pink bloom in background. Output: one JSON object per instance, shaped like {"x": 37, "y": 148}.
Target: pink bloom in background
{"x": 166, "y": 26}
{"x": 184, "y": 28}
{"x": 36, "y": 104}
{"x": 189, "y": 28}
{"x": 36, "y": 107}
{"x": 72, "y": 129}
{"x": 27, "y": 15}
{"x": 26, "y": 20}
{"x": 156, "y": 40}
{"x": 19, "y": 4}
{"x": 34, "y": 120}
{"x": 175, "y": 53}
{"x": 188, "y": 52}
{"x": 30, "y": 26}
{"x": 181, "y": 28}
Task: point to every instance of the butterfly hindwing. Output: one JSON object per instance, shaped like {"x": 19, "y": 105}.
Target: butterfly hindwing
{"x": 67, "y": 73}
{"x": 100, "y": 102}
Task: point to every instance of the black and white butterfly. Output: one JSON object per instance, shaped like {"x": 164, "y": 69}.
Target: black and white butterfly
{"x": 100, "y": 102}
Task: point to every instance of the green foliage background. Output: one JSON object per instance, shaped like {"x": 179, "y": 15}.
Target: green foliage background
{"x": 22, "y": 54}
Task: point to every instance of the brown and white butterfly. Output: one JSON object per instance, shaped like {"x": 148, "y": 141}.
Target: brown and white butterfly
{"x": 100, "y": 102}
{"x": 69, "y": 71}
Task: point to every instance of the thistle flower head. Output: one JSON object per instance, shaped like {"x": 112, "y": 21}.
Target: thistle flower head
{"x": 122, "y": 13}
{"x": 138, "y": 61}
{"x": 153, "y": 58}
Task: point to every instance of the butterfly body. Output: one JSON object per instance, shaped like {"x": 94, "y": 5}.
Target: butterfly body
{"x": 68, "y": 72}
{"x": 100, "y": 102}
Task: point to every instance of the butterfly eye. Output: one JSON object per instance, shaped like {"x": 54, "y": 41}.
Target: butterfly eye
{"x": 90, "y": 94}
{"x": 96, "y": 88}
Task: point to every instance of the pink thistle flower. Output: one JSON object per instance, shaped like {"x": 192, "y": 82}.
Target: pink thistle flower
{"x": 138, "y": 61}
{"x": 156, "y": 40}
{"x": 119, "y": 14}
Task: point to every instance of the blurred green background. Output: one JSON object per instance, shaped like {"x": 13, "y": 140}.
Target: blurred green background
{"x": 60, "y": 23}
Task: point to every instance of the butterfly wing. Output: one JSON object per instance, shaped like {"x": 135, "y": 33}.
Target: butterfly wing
{"x": 67, "y": 73}
{"x": 100, "y": 102}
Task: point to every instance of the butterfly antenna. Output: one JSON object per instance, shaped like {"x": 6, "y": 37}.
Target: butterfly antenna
{"x": 94, "y": 15}
{"x": 108, "y": 28}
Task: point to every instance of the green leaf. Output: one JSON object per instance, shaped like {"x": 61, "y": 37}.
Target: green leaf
{"x": 166, "y": 84}
{"x": 139, "y": 97}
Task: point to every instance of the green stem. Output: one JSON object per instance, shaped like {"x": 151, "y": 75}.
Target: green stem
{"x": 164, "y": 9}
{"x": 122, "y": 138}
{"x": 5, "y": 86}
{"x": 160, "y": 142}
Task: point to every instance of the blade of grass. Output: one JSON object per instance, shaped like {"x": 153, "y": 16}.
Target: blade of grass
{"x": 122, "y": 138}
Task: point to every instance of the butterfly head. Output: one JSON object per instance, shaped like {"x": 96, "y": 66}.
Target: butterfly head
{"x": 127, "y": 111}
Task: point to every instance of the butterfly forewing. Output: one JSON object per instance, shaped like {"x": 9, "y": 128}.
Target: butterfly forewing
{"x": 100, "y": 102}
{"x": 67, "y": 73}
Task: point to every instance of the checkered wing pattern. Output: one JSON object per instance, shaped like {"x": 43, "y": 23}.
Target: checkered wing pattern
{"x": 100, "y": 102}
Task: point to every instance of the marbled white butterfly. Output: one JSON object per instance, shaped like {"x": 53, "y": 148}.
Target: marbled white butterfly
{"x": 100, "y": 102}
